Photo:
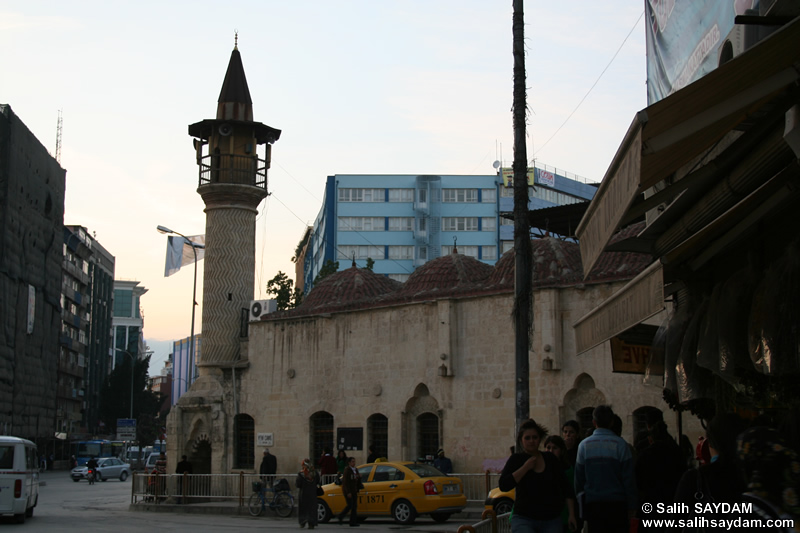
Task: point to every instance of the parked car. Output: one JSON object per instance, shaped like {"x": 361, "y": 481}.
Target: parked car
{"x": 501, "y": 502}
{"x": 107, "y": 468}
{"x": 401, "y": 490}
{"x": 19, "y": 477}
{"x": 150, "y": 463}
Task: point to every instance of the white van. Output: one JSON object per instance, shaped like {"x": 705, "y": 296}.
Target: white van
{"x": 19, "y": 477}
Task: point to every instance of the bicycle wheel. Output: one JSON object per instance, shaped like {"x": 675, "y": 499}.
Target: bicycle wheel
{"x": 255, "y": 504}
{"x": 283, "y": 504}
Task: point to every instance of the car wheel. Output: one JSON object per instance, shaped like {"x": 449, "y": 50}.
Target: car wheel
{"x": 101, "y": 477}
{"x": 503, "y": 506}
{"x": 403, "y": 512}
{"x": 123, "y": 476}
{"x": 323, "y": 512}
{"x": 29, "y": 512}
{"x": 19, "y": 518}
{"x": 440, "y": 517}
{"x": 76, "y": 479}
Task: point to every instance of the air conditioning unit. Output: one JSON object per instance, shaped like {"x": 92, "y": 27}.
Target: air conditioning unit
{"x": 259, "y": 308}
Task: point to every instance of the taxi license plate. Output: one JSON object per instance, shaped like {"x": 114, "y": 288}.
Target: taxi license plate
{"x": 450, "y": 489}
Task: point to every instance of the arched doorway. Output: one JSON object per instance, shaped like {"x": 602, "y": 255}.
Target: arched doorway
{"x": 422, "y": 425}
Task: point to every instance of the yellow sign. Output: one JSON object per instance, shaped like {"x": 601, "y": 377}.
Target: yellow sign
{"x": 508, "y": 177}
{"x": 629, "y": 358}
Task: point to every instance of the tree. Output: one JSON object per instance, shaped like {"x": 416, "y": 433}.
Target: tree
{"x": 286, "y": 296}
{"x": 328, "y": 268}
{"x": 115, "y": 396}
{"x": 370, "y": 264}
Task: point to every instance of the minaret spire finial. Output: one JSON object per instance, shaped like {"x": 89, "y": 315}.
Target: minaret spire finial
{"x": 235, "y": 39}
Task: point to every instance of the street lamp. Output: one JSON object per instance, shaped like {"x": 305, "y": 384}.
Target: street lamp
{"x": 195, "y": 246}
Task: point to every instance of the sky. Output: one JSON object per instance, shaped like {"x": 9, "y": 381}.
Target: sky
{"x": 356, "y": 86}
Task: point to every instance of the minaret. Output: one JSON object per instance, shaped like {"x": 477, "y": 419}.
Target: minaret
{"x": 233, "y": 181}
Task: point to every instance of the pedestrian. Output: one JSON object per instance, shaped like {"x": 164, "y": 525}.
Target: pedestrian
{"x": 161, "y": 471}
{"x": 658, "y": 470}
{"x": 351, "y": 484}
{"x": 184, "y": 467}
{"x": 327, "y": 464}
{"x": 556, "y": 445}
{"x": 443, "y": 464}
{"x": 307, "y": 483}
{"x": 371, "y": 456}
{"x": 268, "y": 468}
{"x": 604, "y": 473}
{"x": 571, "y": 433}
{"x": 341, "y": 461}
{"x": 541, "y": 485}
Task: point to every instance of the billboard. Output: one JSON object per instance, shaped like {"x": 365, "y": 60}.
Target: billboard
{"x": 683, "y": 39}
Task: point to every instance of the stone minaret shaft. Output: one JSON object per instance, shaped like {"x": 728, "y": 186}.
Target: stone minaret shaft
{"x": 233, "y": 182}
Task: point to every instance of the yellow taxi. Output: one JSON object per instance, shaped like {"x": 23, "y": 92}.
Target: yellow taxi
{"x": 499, "y": 501}
{"x": 400, "y": 490}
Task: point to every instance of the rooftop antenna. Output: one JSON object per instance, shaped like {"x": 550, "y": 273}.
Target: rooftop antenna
{"x": 58, "y": 138}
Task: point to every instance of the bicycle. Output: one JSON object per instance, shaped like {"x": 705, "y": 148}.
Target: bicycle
{"x": 281, "y": 502}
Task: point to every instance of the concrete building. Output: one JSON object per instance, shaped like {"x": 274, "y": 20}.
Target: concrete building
{"x": 128, "y": 322}
{"x": 32, "y": 187}
{"x": 183, "y": 369}
{"x": 85, "y": 341}
{"x": 403, "y": 221}
{"x": 99, "y": 349}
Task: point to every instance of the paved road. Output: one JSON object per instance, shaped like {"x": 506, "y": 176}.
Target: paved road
{"x": 65, "y": 506}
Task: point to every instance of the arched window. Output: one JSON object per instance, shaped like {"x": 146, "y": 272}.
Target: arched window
{"x": 427, "y": 435}
{"x": 321, "y": 433}
{"x": 378, "y": 434}
{"x": 244, "y": 441}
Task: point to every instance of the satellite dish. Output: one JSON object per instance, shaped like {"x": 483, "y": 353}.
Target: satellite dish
{"x": 496, "y": 164}
{"x": 225, "y": 129}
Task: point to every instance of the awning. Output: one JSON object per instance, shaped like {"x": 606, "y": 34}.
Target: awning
{"x": 668, "y": 134}
{"x": 638, "y": 300}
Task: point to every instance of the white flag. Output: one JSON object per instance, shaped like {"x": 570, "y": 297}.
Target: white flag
{"x": 179, "y": 252}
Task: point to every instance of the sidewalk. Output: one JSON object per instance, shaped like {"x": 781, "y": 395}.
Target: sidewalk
{"x": 472, "y": 513}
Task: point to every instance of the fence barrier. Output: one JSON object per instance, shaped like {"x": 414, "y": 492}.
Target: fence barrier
{"x": 197, "y": 488}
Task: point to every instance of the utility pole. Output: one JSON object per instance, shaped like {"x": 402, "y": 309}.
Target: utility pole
{"x": 523, "y": 282}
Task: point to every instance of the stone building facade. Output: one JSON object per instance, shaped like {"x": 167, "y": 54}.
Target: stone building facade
{"x": 408, "y": 368}
{"x": 32, "y": 185}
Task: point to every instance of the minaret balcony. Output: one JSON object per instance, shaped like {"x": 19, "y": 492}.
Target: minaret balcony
{"x": 234, "y": 169}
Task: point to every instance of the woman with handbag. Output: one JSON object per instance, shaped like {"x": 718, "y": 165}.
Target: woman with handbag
{"x": 308, "y": 483}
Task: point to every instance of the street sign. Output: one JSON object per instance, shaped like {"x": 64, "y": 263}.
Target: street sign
{"x": 126, "y": 429}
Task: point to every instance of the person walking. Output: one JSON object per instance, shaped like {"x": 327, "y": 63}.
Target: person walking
{"x": 307, "y": 483}
{"x": 268, "y": 468}
{"x": 604, "y": 473}
{"x": 351, "y": 484}
{"x": 540, "y": 483}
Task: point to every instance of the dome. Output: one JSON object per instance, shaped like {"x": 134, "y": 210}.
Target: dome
{"x": 445, "y": 275}
{"x": 346, "y": 289}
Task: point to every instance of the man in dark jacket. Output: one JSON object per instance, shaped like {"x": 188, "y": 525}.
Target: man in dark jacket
{"x": 351, "y": 482}
{"x": 327, "y": 464}
{"x": 268, "y": 468}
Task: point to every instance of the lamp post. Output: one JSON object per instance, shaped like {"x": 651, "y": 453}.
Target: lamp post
{"x": 167, "y": 231}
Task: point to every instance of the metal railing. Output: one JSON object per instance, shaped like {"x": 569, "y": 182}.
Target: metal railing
{"x": 489, "y": 524}
{"x": 238, "y": 487}
{"x": 233, "y": 168}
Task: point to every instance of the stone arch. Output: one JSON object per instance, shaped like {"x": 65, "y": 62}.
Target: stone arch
{"x": 198, "y": 448}
{"x": 419, "y": 404}
{"x": 583, "y": 394}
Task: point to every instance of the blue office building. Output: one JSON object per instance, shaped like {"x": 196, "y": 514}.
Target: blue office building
{"x": 402, "y": 221}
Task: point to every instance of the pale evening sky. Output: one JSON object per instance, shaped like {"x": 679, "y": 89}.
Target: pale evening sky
{"x": 356, "y": 86}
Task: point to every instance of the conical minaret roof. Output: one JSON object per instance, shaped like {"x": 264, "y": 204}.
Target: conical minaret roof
{"x": 234, "y": 99}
